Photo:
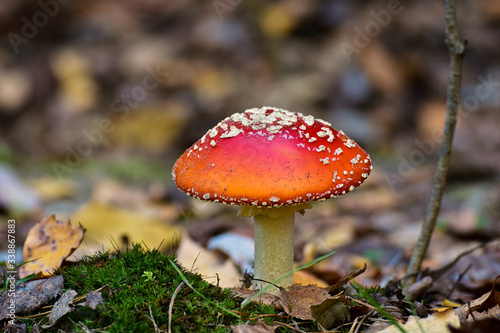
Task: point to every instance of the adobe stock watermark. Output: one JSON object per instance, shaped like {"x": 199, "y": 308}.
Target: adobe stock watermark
{"x": 31, "y": 27}
{"x": 120, "y": 108}
{"x": 425, "y": 148}
{"x": 10, "y": 279}
{"x": 223, "y": 6}
{"x": 364, "y": 35}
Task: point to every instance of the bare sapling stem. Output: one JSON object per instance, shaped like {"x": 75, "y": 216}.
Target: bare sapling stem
{"x": 456, "y": 49}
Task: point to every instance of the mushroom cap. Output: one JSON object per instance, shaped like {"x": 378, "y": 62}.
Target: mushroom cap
{"x": 271, "y": 157}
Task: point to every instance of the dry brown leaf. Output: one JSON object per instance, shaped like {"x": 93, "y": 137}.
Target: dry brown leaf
{"x": 264, "y": 298}
{"x": 61, "y": 307}
{"x": 331, "y": 312}
{"x": 50, "y": 241}
{"x": 260, "y": 327}
{"x": 485, "y": 306}
{"x": 346, "y": 279}
{"x": 487, "y": 325}
{"x": 297, "y": 300}
{"x": 93, "y": 299}
{"x": 438, "y": 322}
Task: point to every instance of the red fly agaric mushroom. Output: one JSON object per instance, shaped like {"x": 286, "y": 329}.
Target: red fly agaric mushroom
{"x": 271, "y": 163}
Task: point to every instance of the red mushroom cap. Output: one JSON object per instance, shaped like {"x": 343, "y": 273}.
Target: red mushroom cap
{"x": 271, "y": 157}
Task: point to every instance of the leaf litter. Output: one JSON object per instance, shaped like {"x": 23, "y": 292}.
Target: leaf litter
{"x": 312, "y": 303}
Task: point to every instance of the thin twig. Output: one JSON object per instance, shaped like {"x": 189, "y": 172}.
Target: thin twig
{"x": 157, "y": 329}
{"x": 356, "y": 325}
{"x": 85, "y": 328}
{"x": 460, "y": 276}
{"x": 456, "y": 49}
{"x": 371, "y": 307}
{"x": 171, "y": 306}
{"x": 289, "y": 326}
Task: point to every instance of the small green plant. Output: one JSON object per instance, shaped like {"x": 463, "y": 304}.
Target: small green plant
{"x": 148, "y": 276}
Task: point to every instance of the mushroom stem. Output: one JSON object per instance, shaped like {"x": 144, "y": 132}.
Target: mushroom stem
{"x": 273, "y": 250}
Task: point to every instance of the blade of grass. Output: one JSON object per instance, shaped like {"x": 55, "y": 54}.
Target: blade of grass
{"x": 186, "y": 281}
{"x": 363, "y": 293}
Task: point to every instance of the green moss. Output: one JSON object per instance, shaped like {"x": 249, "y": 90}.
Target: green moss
{"x": 139, "y": 279}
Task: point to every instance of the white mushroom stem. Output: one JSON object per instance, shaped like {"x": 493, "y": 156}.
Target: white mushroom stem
{"x": 273, "y": 250}
{"x": 274, "y": 234}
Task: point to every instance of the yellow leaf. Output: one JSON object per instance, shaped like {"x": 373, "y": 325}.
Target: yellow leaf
{"x": 443, "y": 309}
{"x": 438, "y": 322}
{"x": 106, "y": 224}
{"x": 50, "y": 189}
{"x": 164, "y": 123}
{"x": 50, "y": 241}
{"x": 305, "y": 278}
{"x": 277, "y": 21}
{"x": 77, "y": 85}
{"x": 449, "y": 303}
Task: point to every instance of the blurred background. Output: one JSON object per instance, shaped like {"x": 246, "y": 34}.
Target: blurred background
{"x": 98, "y": 99}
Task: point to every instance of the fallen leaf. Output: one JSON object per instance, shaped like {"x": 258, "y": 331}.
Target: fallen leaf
{"x": 346, "y": 279}
{"x": 50, "y": 242}
{"x": 164, "y": 124}
{"x": 483, "y": 307}
{"x": 447, "y": 302}
{"x": 52, "y": 189}
{"x": 78, "y": 89}
{"x": 297, "y": 300}
{"x": 17, "y": 327}
{"x": 32, "y": 295}
{"x": 264, "y": 298}
{"x": 61, "y": 307}
{"x": 330, "y": 313}
{"x": 437, "y": 322}
{"x": 93, "y": 299}
{"x": 306, "y": 278}
{"x": 212, "y": 267}
{"x": 106, "y": 223}
{"x": 260, "y": 327}
{"x": 487, "y": 325}
{"x": 277, "y": 20}
{"x": 335, "y": 237}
